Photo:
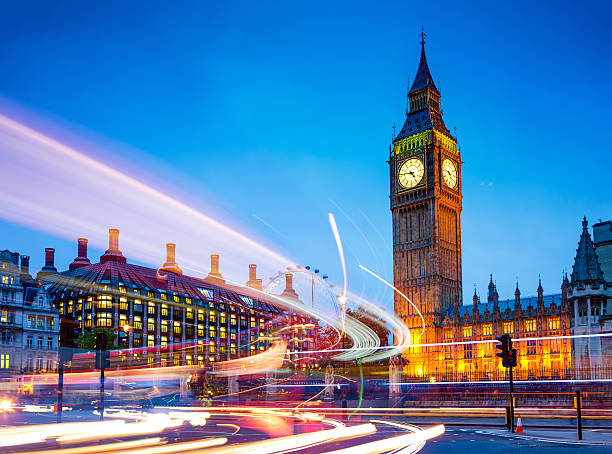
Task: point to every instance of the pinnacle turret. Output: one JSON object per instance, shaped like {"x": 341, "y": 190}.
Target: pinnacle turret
{"x": 586, "y": 269}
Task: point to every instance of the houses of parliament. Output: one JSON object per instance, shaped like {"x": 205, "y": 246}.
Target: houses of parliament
{"x": 426, "y": 202}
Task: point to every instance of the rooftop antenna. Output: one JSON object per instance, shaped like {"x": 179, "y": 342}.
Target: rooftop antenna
{"x": 423, "y": 35}
{"x": 455, "y": 131}
{"x": 393, "y": 137}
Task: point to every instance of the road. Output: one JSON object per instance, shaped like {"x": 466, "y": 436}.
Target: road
{"x": 480, "y": 441}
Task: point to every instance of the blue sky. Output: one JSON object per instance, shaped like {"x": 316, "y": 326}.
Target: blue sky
{"x": 283, "y": 111}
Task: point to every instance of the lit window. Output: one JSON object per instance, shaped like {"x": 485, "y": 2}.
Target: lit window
{"x": 163, "y": 296}
{"x": 189, "y": 313}
{"x": 223, "y": 333}
{"x": 487, "y": 329}
{"x": 467, "y": 331}
{"x": 5, "y": 361}
{"x": 177, "y": 327}
{"x": 176, "y": 298}
{"x": 212, "y": 332}
{"x": 200, "y": 330}
{"x": 164, "y": 326}
{"x": 553, "y": 323}
{"x": 164, "y": 341}
{"x": 530, "y": 325}
{"x": 5, "y": 280}
{"x": 200, "y": 315}
{"x": 211, "y": 347}
{"x": 531, "y": 347}
{"x": 151, "y": 309}
{"x": 164, "y": 310}
{"x": 188, "y": 300}
{"x": 467, "y": 351}
{"x": 212, "y": 317}
{"x": 508, "y": 327}
{"x": 232, "y": 320}
{"x": 222, "y": 318}
{"x": 150, "y": 341}
{"x": 448, "y": 333}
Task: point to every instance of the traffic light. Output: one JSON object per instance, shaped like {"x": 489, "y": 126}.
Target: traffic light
{"x": 69, "y": 331}
{"x": 102, "y": 355}
{"x": 506, "y": 348}
{"x": 512, "y": 359}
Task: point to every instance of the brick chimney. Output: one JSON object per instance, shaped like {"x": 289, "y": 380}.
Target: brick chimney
{"x": 81, "y": 259}
{"x": 25, "y": 266}
{"x": 113, "y": 254}
{"x": 170, "y": 264}
{"x": 289, "y": 292}
{"x": 49, "y": 267}
{"x": 215, "y": 275}
{"x": 253, "y": 282}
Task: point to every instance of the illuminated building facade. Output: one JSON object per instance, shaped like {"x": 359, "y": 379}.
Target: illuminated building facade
{"x": 426, "y": 202}
{"x": 29, "y": 324}
{"x": 167, "y": 318}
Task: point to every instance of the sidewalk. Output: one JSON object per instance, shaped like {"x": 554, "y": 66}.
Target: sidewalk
{"x": 589, "y": 437}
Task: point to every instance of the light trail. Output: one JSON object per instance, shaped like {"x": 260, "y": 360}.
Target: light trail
{"x": 395, "y": 289}
{"x": 64, "y": 182}
{"x": 334, "y": 227}
{"x": 260, "y": 418}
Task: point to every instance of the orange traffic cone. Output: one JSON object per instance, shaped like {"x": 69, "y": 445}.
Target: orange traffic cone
{"x": 519, "y": 425}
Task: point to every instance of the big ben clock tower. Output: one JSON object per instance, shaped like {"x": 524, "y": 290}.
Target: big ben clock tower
{"x": 425, "y": 165}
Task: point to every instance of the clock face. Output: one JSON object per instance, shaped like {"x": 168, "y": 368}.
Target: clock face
{"x": 449, "y": 173}
{"x": 411, "y": 173}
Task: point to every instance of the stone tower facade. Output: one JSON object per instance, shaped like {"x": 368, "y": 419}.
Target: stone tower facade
{"x": 426, "y": 202}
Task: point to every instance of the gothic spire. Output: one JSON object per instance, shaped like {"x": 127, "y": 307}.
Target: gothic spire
{"x": 586, "y": 267}
{"x": 423, "y": 77}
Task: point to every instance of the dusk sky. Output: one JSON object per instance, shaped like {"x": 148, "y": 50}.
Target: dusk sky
{"x": 278, "y": 113}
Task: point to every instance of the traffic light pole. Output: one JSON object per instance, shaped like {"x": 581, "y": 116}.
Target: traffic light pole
{"x": 60, "y": 388}
{"x": 101, "y": 406}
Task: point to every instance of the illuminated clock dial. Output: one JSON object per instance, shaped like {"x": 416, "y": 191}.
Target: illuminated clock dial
{"x": 449, "y": 173}
{"x": 411, "y": 173}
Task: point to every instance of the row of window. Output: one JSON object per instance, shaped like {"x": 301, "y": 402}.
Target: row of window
{"x": 39, "y": 342}
{"x": 487, "y": 328}
{"x": 40, "y": 322}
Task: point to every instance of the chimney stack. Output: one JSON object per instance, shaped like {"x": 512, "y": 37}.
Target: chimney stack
{"x": 289, "y": 293}
{"x": 25, "y": 265}
{"x": 49, "y": 267}
{"x": 49, "y": 257}
{"x": 214, "y": 274}
{"x": 170, "y": 264}
{"x": 113, "y": 254}
{"x": 253, "y": 282}
{"x": 81, "y": 259}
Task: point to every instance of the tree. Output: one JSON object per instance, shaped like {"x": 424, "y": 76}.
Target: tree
{"x": 325, "y": 338}
{"x": 87, "y": 339}
{"x": 375, "y": 323}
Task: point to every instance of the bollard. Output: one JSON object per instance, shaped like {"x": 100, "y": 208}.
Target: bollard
{"x": 578, "y": 407}
{"x": 507, "y": 417}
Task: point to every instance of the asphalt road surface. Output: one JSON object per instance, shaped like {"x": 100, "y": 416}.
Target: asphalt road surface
{"x": 481, "y": 441}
